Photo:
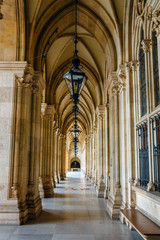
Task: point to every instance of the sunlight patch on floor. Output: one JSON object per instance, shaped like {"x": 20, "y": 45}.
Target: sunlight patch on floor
{"x": 75, "y": 175}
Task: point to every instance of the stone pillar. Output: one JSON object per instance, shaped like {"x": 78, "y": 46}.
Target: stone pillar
{"x": 89, "y": 158}
{"x": 48, "y": 158}
{"x": 92, "y": 157}
{"x": 42, "y": 151}
{"x": 16, "y": 81}
{"x": 53, "y": 157}
{"x": 57, "y": 156}
{"x": 33, "y": 198}
{"x": 107, "y": 150}
{"x": 115, "y": 197}
{"x": 63, "y": 157}
{"x": 101, "y": 150}
{"x": 146, "y": 44}
{"x": 134, "y": 65}
{"x": 95, "y": 157}
{"x": 86, "y": 167}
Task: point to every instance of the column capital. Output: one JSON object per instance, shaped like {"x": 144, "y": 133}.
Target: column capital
{"x": 101, "y": 110}
{"x": 146, "y": 45}
{"x": 50, "y": 109}
{"x": 134, "y": 65}
{"x": 156, "y": 22}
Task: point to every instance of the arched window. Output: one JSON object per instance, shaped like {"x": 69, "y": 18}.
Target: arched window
{"x": 142, "y": 78}
{"x": 155, "y": 69}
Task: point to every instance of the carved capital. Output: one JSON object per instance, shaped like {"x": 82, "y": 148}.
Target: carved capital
{"x": 156, "y": 22}
{"x": 134, "y": 65}
{"x": 146, "y": 45}
{"x": 35, "y": 87}
{"x": 22, "y": 84}
{"x": 101, "y": 112}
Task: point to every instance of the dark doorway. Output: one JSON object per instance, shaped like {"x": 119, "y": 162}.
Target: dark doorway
{"x": 75, "y": 164}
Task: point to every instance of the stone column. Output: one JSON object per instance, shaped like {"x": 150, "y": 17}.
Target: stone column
{"x": 95, "y": 157}
{"x": 57, "y": 156}
{"x": 100, "y": 150}
{"x": 63, "y": 157}
{"x": 115, "y": 197}
{"x": 92, "y": 157}
{"x": 146, "y": 44}
{"x": 86, "y": 167}
{"x": 53, "y": 157}
{"x": 48, "y": 160}
{"x": 134, "y": 65}
{"x": 107, "y": 150}
{"x": 15, "y": 102}
{"x": 33, "y": 198}
{"x": 89, "y": 158}
{"x": 42, "y": 151}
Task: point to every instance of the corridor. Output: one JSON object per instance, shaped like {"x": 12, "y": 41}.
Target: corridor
{"x": 75, "y": 213}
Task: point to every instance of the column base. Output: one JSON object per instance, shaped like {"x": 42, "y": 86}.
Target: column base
{"x": 106, "y": 193}
{"x": 56, "y": 179}
{"x": 34, "y": 207}
{"x": 48, "y": 190}
{"x": 41, "y": 190}
{"x": 61, "y": 177}
{"x": 53, "y": 182}
{"x": 100, "y": 190}
{"x": 114, "y": 204}
{"x": 150, "y": 186}
{"x": 13, "y": 213}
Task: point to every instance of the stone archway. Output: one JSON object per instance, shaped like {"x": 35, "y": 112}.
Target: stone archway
{"x": 75, "y": 164}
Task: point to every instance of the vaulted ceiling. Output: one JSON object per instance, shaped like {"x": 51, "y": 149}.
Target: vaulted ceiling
{"x": 50, "y": 45}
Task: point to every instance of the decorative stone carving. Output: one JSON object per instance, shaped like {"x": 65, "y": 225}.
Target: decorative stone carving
{"x": 156, "y": 22}
{"x": 150, "y": 186}
{"x": 134, "y": 65}
{"x": 140, "y": 7}
{"x": 146, "y": 45}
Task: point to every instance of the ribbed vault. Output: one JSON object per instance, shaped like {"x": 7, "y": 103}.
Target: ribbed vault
{"x": 51, "y": 49}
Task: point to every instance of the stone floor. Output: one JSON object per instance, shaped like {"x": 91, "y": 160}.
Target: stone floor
{"x": 74, "y": 214}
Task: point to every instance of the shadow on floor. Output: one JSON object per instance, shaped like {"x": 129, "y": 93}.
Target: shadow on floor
{"x": 55, "y": 216}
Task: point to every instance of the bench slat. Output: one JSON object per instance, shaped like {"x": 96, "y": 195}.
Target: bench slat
{"x": 143, "y": 224}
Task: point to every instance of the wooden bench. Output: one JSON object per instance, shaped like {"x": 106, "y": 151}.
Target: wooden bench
{"x": 143, "y": 225}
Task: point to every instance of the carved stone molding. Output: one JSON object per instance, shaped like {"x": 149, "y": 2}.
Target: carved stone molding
{"x": 146, "y": 45}
{"x": 101, "y": 112}
{"x": 156, "y": 22}
{"x": 140, "y": 7}
{"x": 134, "y": 65}
{"x": 22, "y": 84}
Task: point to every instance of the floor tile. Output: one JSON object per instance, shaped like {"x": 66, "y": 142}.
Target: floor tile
{"x": 73, "y": 214}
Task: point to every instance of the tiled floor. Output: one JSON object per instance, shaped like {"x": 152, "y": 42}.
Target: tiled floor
{"x": 74, "y": 214}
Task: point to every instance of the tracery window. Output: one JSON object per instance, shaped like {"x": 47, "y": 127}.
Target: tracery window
{"x": 143, "y": 154}
{"x": 156, "y": 150}
{"x": 155, "y": 69}
{"x": 142, "y": 78}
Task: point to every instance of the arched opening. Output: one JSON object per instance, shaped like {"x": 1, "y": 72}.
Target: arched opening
{"x": 75, "y": 166}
